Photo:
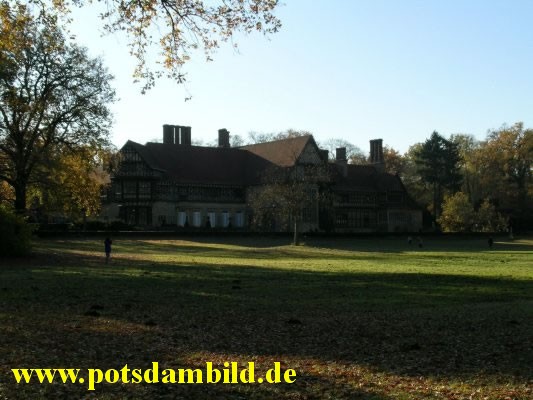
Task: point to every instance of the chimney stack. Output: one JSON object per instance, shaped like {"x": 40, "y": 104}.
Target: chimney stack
{"x": 168, "y": 134}
{"x": 175, "y": 134}
{"x": 324, "y": 154}
{"x": 223, "y": 138}
{"x": 376, "y": 154}
{"x": 340, "y": 154}
{"x": 185, "y": 135}
{"x": 341, "y": 161}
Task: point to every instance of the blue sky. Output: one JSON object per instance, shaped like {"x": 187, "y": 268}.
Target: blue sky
{"x": 350, "y": 69}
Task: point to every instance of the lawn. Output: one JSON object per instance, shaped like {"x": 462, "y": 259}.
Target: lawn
{"x": 355, "y": 318}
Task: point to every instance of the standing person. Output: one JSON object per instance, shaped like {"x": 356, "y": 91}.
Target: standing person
{"x": 419, "y": 239}
{"x": 107, "y": 246}
{"x": 491, "y": 242}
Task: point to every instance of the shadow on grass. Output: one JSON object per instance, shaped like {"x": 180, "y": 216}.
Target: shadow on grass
{"x": 76, "y": 312}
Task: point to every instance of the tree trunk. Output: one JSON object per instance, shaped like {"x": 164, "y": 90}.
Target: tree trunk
{"x": 435, "y": 212}
{"x": 20, "y": 197}
{"x": 296, "y": 239}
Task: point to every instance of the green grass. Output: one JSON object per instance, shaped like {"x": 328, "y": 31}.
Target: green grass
{"x": 356, "y": 318}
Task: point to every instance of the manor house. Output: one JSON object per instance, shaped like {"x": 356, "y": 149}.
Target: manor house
{"x": 176, "y": 184}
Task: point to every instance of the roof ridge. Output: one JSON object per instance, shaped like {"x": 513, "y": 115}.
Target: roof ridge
{"x": 307, "y": 136}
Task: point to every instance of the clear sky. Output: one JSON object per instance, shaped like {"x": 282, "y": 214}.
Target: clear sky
{"x": 351, "y": 69}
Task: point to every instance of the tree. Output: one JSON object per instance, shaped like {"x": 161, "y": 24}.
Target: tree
{"x": 506, "y": 160}
{"x": 75, "y": 182}
{"x": 177, "y": 28}
{"x": 237, "y": 141}
{"x": 395, "y": 163}
{"x": 437, "y": 162}
{"x": 416, "y": 187}
{"x": 7, "y": 196}
{"x": 471, "y": 167}
{"x": 458, "y": 215}
{"x": 487, "y": 219}
{"x": 53, "y": 96}
{"x": 261, "y": 137}
{"x": 286, "y": 195}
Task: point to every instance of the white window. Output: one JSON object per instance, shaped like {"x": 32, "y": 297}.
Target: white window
{"x": 225, "y": 219}
{"x": 212, "y": 219}
{"x": 197, "y": 218}
{"x": 239, "y": 219}
{"x": 182, "y": 218}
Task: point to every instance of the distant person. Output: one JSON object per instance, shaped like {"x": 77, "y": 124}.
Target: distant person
{"x": 409, "y": 240}
{"x": 420, "y": 244}
{"x": 107, "y": 246}
{"x": 491, "y": 242}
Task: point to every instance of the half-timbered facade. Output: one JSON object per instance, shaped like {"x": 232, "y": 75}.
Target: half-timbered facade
{"x": 176, "y": 184}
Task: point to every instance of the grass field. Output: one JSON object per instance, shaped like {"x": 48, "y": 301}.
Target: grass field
{"x": 356, "y": 318}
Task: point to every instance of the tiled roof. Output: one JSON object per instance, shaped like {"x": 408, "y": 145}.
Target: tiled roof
{"x": 283, "y": 153}
{"x": 245, "y": 165}
{"x": 365, "y": 177}
{"x": 196, "y": 164}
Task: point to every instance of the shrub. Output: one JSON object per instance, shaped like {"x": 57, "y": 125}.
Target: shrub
{"x": 15, "y": 235}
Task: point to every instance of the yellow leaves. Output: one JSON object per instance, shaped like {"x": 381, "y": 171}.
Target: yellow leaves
{"x": 14, "y": 24}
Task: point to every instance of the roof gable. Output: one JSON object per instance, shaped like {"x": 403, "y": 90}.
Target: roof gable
{"x": 284, "y": 152}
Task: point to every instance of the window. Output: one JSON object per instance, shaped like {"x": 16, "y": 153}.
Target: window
{"x": 129, "y": 154}
{"x": 341, "y": 219}
{"x": 145, "y": 190}
{"x": 212, "y": 219}
{"x": 182, "y": 218}
{"x": 130, "y": 190}
{"x": 355, "y": 218}
{"x": 239, "y": 219}
{"x": 197, "y": 219}
{"x": 362, "y": 198}
{"x": 224, "y": 219}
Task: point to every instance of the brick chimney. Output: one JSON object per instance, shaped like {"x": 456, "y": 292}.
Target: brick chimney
{"x": 223, "y": 138}
{"x": 185, "y": 136}
{"x": 175, "y": 134}
{"x": 341, "y": 161}
{"x": 324, "y": 154}
{"x": 340, "y": 154}
{"x": 168, "y": 134}
{"x": 376, "y": 154}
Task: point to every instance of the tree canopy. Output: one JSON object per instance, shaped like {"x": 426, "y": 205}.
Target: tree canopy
{"x": 163, "y": 34}
{"x": 437, "y": 162}
{"x": 53, "y": 97}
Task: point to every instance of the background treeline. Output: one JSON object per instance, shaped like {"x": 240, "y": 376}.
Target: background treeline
{"x": 471, "y": 185}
